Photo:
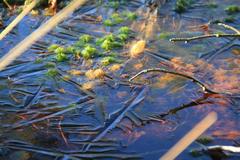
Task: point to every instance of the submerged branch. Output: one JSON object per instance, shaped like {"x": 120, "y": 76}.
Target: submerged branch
{"x": 204, "y": 87}
{"x": 229, "y": 27}
{"x": 216, "y": 35}
{"x": 186, "y": 40}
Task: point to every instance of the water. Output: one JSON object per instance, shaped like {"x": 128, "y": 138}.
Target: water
{"x": 56, "y": 118}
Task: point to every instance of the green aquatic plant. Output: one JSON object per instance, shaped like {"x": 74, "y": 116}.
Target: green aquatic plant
{"x": 109, "y": 37}
{"x": 51, "y": 72}
{"x": 115, "y": 19}
{"x": 212, "y": 5}
{"x": 229, "y": 19}
{"x": 205, "y": 139}
{"x": 85, "y": 38}
{"x": 99, "y": 41}
{"x": 53, "y": 47}
{"x": 182, "y": 5}
{"x": 108, "y": 22}
{"x": 165, "y": 35}
{"x": 232, "y": 9}
{"x": 124, "y": 29}
{"x": 70, "y": 50}
{"x": 50, "y": 65}
{"x": 59, "y": 50}
{"x": 114, "y": 4}
{"x": 60, "y": 57}
{"x": 107, "y": 45}
{"x": 195, "y": 153}
{"x": 123, "y": 37}
{"x": 38, "y": 60}
{"x": 108, "y": 60}
{"x": 130, "y": 15}
{"x": 89, "y": 52}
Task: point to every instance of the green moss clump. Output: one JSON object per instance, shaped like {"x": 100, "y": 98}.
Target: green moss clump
{"x": 165, "y": 35}
{"x": 124, "y": 29}
{"x": 130, "y": 15}
{"x": 229, "y": 19}
{"x": 123, "y": 37}
{"x": 85, "y": 38}
{"x": 50, "y": 65}
{"x": 60, "y": 57}
{"x": 89, "y": 52}
{"x": 108, "y": 60}
{"x": 53, "y": 47}
{"x": 212, "y": 5}
{"x": 232, "y": 9}
{"x": 182, "y": 5}
{"x": 99, "y": 41}
{"x": 205, "y": 139}
{"x": 195, "y": 153}
{"x": 70, "y": 50}
{"x": 38, "y": 60}
{"x": 109, "y": 37}
{"x": 114, "y": 4}
{"x": 52, "y": 73}
{"x": 108, "y": 22}
{"x": 59, "y": 50}
{"x": 115, "y": 19}
{"x": 109, "y": 42}
{"x": 79, "y": 44}
{"x": 107, "y": 45}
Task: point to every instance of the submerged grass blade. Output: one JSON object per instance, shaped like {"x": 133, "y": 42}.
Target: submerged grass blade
{"x": 117, "y": 119}
{"x": 69, "y": 108}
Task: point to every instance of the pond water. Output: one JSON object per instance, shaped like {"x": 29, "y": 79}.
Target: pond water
{"x": 71, "y": 116}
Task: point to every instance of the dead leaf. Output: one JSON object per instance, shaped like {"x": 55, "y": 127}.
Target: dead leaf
{"x": 137, "y": 48}
{"x": 236, "y": 51}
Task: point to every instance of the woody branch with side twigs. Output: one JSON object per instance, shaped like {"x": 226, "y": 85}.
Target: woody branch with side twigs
{"x": 216, "y": 35}
{"x": 204, "y": 86}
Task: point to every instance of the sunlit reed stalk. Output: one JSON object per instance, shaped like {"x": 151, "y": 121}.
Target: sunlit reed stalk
{"x": 25, "y": 11}
{"x": 21, "y": 47}
{"x": 191, "y": 136}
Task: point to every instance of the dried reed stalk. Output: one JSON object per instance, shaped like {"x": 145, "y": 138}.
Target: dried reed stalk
{"x": 191, "y": 136}
{"x": 21, "y": 47}
{"x": 25, "y": 11}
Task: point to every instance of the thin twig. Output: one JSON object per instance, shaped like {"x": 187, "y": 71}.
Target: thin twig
{"x": 7, "y": 4}
{"x": 204, "y": 87}
{"x": 186, "y": 40}
{"x": 198, "y": 82}
{"x": 229, "y": 27}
